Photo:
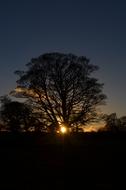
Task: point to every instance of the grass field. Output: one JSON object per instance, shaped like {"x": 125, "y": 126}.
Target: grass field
{"x": 83, "y": 161}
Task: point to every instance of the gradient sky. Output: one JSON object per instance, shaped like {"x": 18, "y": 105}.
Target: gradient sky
{"x": 93, "y": 28}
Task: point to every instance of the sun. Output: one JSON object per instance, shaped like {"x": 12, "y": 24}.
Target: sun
{"x": 63, "y": 129}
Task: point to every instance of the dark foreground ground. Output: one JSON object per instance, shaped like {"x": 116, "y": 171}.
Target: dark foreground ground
{"x": 84, "y": 161}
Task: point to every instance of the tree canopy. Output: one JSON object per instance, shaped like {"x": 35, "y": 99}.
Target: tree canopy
{"x": 61, "y": 89}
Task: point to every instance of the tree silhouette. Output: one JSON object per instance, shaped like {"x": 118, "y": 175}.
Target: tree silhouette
{"x": 16, "y": 116}
{"x": 61, "y": 89}
{"x": 115, "y": 124}
{"x": 111, "y": 122}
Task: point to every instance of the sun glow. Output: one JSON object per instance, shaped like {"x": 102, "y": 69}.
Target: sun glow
{"x": 63, "y": 129}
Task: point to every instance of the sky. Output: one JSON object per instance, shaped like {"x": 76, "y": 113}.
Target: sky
{"x": 92, "y": 28}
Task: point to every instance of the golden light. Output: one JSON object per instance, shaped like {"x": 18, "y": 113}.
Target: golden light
{"x": 63, "y": 129}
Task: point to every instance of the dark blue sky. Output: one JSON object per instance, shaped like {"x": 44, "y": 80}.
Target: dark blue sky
{"x": 94, "y": 28}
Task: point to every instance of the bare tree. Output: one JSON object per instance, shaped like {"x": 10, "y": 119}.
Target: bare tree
{"x": 61, "y": 89}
